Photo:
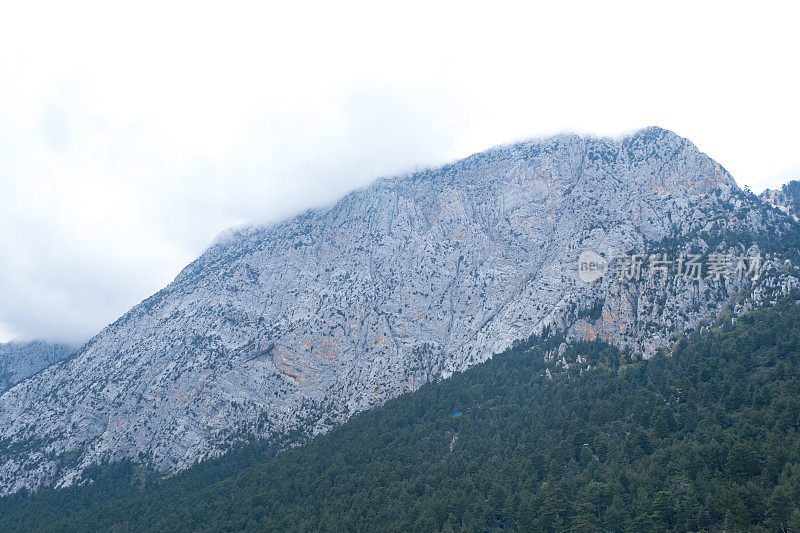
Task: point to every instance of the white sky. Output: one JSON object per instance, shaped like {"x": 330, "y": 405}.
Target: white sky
{"x": 130, "y": 136}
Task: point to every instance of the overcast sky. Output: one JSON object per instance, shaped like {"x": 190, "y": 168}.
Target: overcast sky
{"x": 130, "y": 137}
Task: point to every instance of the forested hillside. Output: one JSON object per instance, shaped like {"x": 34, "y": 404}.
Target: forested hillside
{"x": 703, "y": 438}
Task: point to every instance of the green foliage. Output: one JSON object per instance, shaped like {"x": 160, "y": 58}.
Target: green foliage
{"x": 593, "y": 312}
{"x": 705, "y": 438}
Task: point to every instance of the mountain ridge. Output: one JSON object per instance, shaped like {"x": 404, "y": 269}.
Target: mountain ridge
{"x": 293, "y": 327}
{"x": 20, "y": 360}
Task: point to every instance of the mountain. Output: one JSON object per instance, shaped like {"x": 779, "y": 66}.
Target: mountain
{"x": 702, "y": 437}
{"x": 787, "y": 198}
{"x": 285, "y": 331}
{"x": 20, "y": 360}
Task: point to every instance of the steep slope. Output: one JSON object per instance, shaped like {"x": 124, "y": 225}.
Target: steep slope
{"x": 706, "y": 438}
{"x": 294, "y": 327}
{"x": 20, "y": 360}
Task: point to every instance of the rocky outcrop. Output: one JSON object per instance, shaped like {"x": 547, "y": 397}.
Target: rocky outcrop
{"x": 787, "y": 198}
{"x": 290, "y": 329}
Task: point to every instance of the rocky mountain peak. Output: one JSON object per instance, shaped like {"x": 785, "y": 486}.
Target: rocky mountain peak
{"x": 290, "y": 328}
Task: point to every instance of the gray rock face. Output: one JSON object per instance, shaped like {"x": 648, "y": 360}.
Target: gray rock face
{"x": 20, "y": 360}
{"x": 298, "y": 325}
{"x": 787, "y": 198}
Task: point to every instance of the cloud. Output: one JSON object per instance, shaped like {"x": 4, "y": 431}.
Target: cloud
{"x": 95, "y": 217}
{"x": 130, "y": 136}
